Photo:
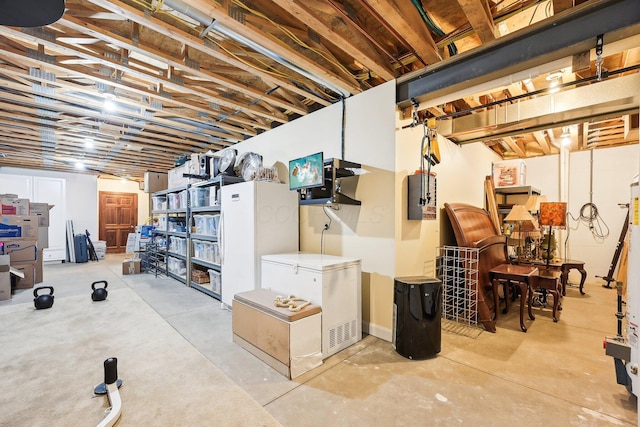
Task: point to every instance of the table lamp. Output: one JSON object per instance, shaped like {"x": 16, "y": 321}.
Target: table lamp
{"x": 533, "y": 202}
{"x": 553, "y": 214}
{"x": 521, "y": 216}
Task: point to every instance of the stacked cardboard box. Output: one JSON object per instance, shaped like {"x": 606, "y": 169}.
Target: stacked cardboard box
{"x": 23, "y": 235}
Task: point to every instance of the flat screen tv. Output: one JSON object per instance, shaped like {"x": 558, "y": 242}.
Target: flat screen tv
{"x": 306, "y": 172}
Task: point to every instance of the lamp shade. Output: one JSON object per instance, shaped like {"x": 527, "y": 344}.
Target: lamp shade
{"x": 519, "y": 213}
{"x": 533, "y": 202}
{"x": 553, "y": 214}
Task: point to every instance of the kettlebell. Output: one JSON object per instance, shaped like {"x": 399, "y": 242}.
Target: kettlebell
{"x": 99, "y": 294}
{"x": 45, "y": 300}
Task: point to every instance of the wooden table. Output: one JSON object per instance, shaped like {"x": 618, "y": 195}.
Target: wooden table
{"x": 517, "y": 274}
{"x": 550, "y": 281}
{"x": 563, "y": 266}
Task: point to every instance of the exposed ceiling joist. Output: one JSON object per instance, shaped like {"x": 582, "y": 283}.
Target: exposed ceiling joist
{"x": 552, "y": 39}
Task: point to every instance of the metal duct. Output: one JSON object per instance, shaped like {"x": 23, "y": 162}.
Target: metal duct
{"x": 616, "y": 96}
{"x": 211, "y": 24}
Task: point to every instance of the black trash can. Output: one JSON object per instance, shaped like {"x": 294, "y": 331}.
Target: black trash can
{"x": 417, "y": 310}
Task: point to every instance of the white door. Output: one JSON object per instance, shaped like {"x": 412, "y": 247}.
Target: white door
{"x": 52, "y": 191}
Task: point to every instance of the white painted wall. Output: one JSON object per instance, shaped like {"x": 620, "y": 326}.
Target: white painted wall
{"x": 367, "y": 231}
{"x": 460, "y": 179}
{"x": 81, "y": 199}
{"x": 613, "y": 169}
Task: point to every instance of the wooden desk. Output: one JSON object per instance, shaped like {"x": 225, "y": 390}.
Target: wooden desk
{"x": 550, "y": 281}
{"x": 563, "y": 266}
{"x": 518, "y": 274}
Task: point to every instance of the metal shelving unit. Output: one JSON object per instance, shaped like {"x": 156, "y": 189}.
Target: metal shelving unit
{"x": 524, "y": 190}
{"x": 191, "y": 262}
{"x": 171, "y": 258}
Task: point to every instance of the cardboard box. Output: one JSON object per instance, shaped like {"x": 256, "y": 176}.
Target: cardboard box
{"x": 41, "y": 210}
{"x": 29, "y": 271}
{"x": 131, "y": 266}
{"x": 18, "y": 227}
{"x": 290, "y": 342}
{"x": 39, "y": 266}
{"x": 11, "y": 206}
{"x": 20, "y": 250}
{"x": 510, "y": 173}
{"x": 155, "y": 181}
{"x": 5, "y": 278}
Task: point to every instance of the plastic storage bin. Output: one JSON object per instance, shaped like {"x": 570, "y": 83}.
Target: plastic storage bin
{"x": 417, "y": 309}
{"x": 160, "y": 223}
{"x": 207, "y": 224}
{"x": 173, "y": 201}
{"x": 199, "y": 196}
{"x": 158, "y": 203}
{"x": 213, "y": 196}
{"x": 178, "y": 245}
{"x": 199, "y": 250}
{"x": 215, "y": 279}
{"x": 182, "y": 204}
{"x": 212, "y": 224}
{"x": 176, "y": 266}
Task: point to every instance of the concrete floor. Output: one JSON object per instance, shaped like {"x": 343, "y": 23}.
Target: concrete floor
{"x": 556, "y": 374}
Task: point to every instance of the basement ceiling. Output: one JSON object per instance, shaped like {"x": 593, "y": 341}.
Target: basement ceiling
{"x": 124, "y": 87}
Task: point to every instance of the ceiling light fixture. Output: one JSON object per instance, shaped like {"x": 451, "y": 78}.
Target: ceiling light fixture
{"x": 88, "y": 142}
{"x": 554, "y": 80}
{"x": 109, "y": 105}
{"x": 80, "y": 166}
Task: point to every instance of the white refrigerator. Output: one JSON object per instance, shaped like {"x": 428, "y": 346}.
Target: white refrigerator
{"x": 257, "y": 218}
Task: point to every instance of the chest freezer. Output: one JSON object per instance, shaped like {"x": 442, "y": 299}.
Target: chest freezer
{"x": 332, "y": 282}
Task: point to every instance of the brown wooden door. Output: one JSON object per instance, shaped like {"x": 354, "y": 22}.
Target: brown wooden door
{"x": 118, "y": 216}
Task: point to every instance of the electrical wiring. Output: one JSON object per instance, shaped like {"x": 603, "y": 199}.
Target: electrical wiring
{"x": 293, "y": 36}
{"x": 326, "y": 227}
{"x": 453, "y": 50}
{"x": 265, "y": 68}
{"x": 589, "y": 215}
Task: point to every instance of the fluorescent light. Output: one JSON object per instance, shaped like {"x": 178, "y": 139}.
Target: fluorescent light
{"x": 88, "y": 142}
{"x": 80, "y": 165}
{"x": 109, "y": 105}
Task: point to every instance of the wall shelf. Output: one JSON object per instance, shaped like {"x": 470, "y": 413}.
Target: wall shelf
{"x": 335, "y": 170}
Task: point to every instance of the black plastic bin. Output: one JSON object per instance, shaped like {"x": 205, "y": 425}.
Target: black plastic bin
{"x": 417, "y": 311}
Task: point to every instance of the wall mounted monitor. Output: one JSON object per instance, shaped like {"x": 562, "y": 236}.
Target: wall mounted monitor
{"x": 306, "y": 172}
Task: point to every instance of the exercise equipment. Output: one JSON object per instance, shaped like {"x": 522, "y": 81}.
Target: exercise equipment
{"x": 42, "y": 301}
{"x": 616, "y": 255}
{"x": 111, "y": 385}
{"x": 99, "y": 293}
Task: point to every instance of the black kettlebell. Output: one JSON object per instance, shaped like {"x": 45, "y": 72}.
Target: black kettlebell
{"x": 45, "y": 300}
{"x": 99, "y": 294}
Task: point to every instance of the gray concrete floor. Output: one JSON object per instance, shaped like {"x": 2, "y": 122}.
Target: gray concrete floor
{"x": 556, "y": 374}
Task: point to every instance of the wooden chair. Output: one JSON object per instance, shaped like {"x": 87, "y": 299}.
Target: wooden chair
{"x": 473, "y": 228}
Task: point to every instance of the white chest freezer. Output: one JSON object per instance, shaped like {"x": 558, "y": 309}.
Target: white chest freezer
{"x": 332, "y": 282}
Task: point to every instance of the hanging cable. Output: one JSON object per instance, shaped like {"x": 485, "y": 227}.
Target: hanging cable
{"x": 326, "y": 227}
{"x": 589, "y": 212}
{"x": 453, "y": 50}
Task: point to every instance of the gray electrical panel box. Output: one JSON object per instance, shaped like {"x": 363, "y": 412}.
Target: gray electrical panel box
{"x": 417, "y": 189}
